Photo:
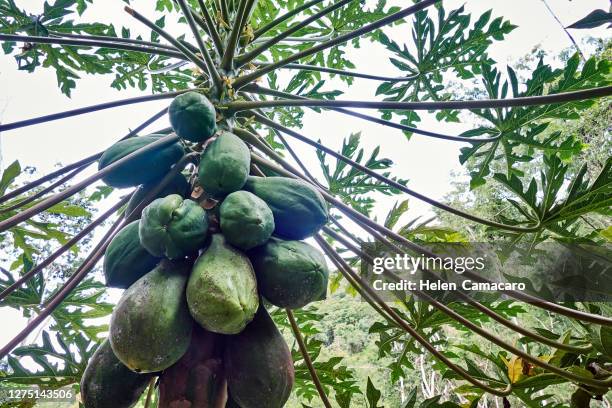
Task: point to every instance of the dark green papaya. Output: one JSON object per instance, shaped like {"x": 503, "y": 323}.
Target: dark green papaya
{"x": 258, "y": 365}
{"x": 231, "y": 403}
{"x": 142, "y": 169}
{"x": 246, "y": 220}
{"x": 299, "y": 209}
{"x": 179, "y": 185}
{"x": 150, "y": 328}
{"x": 197, "y": 379}
{"x": 290, "y": 274}
{"x": 222, "y": 289}
{"x": 173, "y": 227}
{"x": 107, "y": 383}
{"x": 125, "y": 259}
{"x": 224, "y": 165}
{"x": 193, "y": 117}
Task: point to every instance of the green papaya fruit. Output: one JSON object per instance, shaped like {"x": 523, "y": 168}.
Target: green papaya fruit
{"x": 290, "y": 274}
{"x": 258, "y": 365}
{"x": 224, "y": 165}
{"x": 246, "y": 220}
{"x": 193, "y": 117}
{"x": 173, "y": 227}
{"x": 299, "y": 209}
{"x": 125, "y": 259}
{"x": 179, "y": 185}
{"x": 150, "y": 328}
{"x": 107, "y": 383}
{"x": 197, "y": 379}
{"x": 142, "y": 169}
{"x": 222, "y": 289}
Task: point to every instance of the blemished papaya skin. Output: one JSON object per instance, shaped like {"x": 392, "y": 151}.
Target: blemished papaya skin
{"x": 150, "y": 327}
{"x": 108, "y": 383}
{"x": 246, "y": 220}
{"x": 197, "y": 379}
{"x": 193, "y": 117}
{"x": 258, "y": 365}
{"x": 179, "y": 185}
{"x": 222, "y": 289}
{"x": 290, "y": 274}
{"x": 173, "y": 227}
{"x": 224, "y": 165}
{"x": 142, "y": 169}
{"x": 299, "y": 209}
{"x": 125, "y": 259}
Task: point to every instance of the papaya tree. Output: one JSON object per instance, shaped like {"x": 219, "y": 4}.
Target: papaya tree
{"x": 239, "y": 76}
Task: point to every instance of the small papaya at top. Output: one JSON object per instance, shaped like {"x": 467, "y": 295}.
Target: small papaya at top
{"x": 299, "y": 209}
{"x": 258, "y": 365}
{"x": 179, "y": 185}
{"x": 150, "y": 328}
{"x": 108, "y": 383}
{"x": 224, "y": 165}
{"x": 193, "y": 117}
{"x": 173, "y": 227}
{"x": 142, "y": 169}
{"x": 125, "y": 259}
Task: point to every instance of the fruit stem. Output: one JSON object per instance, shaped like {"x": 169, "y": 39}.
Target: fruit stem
{"x": 93, "y": 43}
{"x": 212, "y": 30}
{"x": 256, "y": 89}
{"x": 251, "y": 55}
{"x": 69, "y": 192}
{"x": 307, "y": 360}
{"x": 77, "y": 164}
{"x": 262, "y": 30}
{"x": 241, "y": 81}
{"x": 212, "y": 70}
{"x": 562, "y": 97}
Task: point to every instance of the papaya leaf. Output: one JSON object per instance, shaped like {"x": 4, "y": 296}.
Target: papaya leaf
{"x": 524, "y": 129}
{"x": 9, "y": 175}
{"x": 443, "y": 43}
{"x": 373, "y": 395}
{"x": 56, "y": 364}
{"x": 594, "y": 19}
{"x": 351, "y": 185}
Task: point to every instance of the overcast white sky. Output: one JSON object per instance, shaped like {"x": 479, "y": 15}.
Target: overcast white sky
{"x": 427, "y": 163}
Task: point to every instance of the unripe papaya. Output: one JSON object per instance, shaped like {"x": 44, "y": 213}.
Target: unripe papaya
{"x": 246, "y": 220}
{"x": 299, "y": 209}
{"x": 150, "y": 328}
{"x": 173, "y": 227}
{"x": 222, "y": 289}
{"x": 125, "y": 259}
{"x": 142, "y": 169}
{"x": 193, "y": 117}
{"x": 224, "y": 165}
{"x": 258, "y": 365}
{"x": 290, "y": 274}
{"x": 179, "y": 185}
{"x": 107, "y": 383}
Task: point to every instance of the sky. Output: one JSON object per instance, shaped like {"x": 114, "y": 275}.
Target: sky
{"x": 427, "y": 163}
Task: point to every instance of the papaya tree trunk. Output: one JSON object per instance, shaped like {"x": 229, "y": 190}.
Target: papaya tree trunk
{"x": 197, "y": 379}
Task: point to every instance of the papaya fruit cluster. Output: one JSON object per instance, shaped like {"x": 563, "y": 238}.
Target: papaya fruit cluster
{"x": 196, "y": 272}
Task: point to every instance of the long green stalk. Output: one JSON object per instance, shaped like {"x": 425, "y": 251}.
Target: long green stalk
{"x": 248, "y": 78}
{"x": 251, "y": 55}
